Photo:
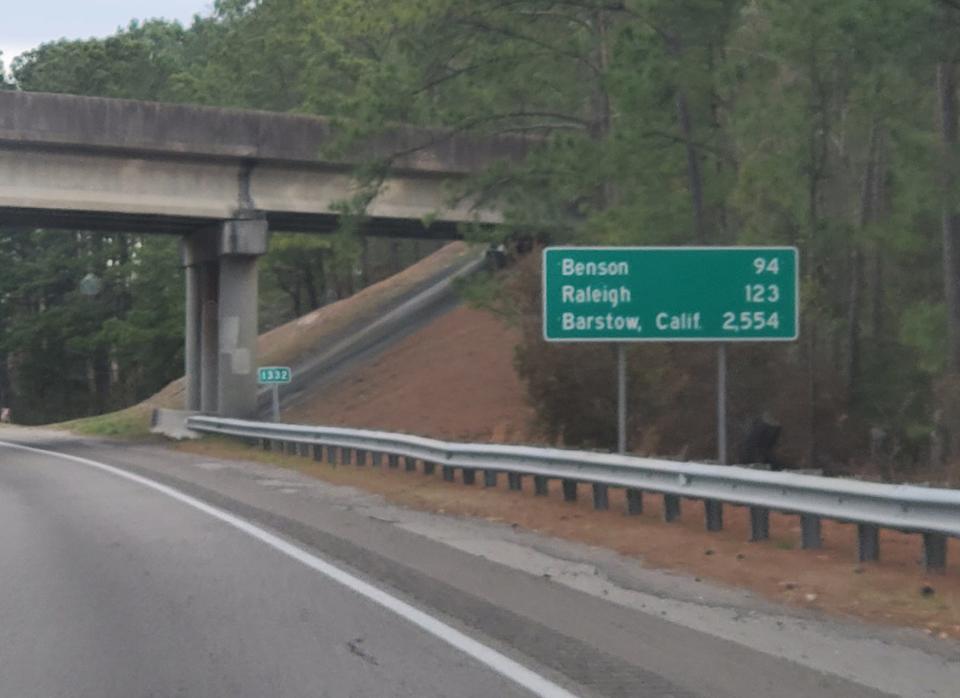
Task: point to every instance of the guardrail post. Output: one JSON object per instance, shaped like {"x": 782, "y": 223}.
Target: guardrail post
{"x": 489, "y": 478}
{"x": 346, "y": 455}
{"x": 393, "y": 461}
{"x": 671, "y": 507}
{"x": 304, "y": 449}
{"x": 713, "y": 514}
{"x": 469, "y": 476}
{"x": 934, "y": 552}
{"x": 601, "y": 498}
{"x": 361, "y": 457}
{"x": 428, "y": 467}
{"x": 868, "y": 542}
{"x": 759, "y": 524}
{"x": 810, "y": 538}
{"x": 569, "y": 490}
{"x": 541, "y": 486}
{"x": 449, "y": 473}
{"x": 515, "y": 481}
{"x": 292, "y": 448}
{"x": 634, "y": 502}
{"x": 377, "y": 458}
{"x": 265, "y": 444}
{"x": 318, "y": 452}
{"x": 332, "y": 455}
{"x": 409, "y": 463}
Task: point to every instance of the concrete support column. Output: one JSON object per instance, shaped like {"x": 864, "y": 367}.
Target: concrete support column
{"x": 221, "y": 316}
{"x": 209, "y": 336}
{"x": 241, "y": 242}
{"x": 192, "y": 336}
{"x": 198, "y": 254}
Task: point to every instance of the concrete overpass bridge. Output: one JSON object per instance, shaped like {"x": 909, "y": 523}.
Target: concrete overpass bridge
{"x": 221, "y": 179}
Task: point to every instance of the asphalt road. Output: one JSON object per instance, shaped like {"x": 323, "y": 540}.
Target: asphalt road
{"x": 135, "y": 571}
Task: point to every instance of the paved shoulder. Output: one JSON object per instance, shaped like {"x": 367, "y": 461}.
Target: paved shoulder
{"x": 526, "y": 598}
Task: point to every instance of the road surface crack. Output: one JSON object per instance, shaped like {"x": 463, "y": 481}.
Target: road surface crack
{"x": 354, "y": 646}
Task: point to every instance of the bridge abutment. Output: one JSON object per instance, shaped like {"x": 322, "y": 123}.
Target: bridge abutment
{"x": 221, "y": 316}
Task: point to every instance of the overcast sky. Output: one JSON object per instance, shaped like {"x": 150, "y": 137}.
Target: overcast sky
{"x": 25, "y": 24}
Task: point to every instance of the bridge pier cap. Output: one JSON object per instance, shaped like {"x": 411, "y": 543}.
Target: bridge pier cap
{"x": 245, "y": 236}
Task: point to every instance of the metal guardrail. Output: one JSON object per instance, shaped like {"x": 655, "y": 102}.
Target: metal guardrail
{"x": 933, "y": 513}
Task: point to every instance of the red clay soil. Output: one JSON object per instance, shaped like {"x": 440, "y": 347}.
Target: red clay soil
{"x": 453, "y": 380}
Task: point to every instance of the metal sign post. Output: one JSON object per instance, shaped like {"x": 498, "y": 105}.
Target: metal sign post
{"x": 621, "y": 398}
{"x": 274, "y": 376}
{"x": 671, "y": 294}
{"x": 722, "y": 404}
{"x": 275, "y": 392}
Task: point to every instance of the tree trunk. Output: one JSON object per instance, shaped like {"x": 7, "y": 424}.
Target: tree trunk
{"x": 310, "y": 285}
{"x": 819, "y": 134}
{"x": 950, "y": 224}
{"x": 950, "y": 221}
{"x": 365, "y": 262}
{"x": 694, "y": 172}
{"x": 855, "y": 306}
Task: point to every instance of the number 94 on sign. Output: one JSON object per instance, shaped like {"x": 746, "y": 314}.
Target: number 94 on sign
{"x": 748, "y": 321}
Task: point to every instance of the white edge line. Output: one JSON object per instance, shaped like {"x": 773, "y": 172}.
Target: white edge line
{"x": 493, "y": 659}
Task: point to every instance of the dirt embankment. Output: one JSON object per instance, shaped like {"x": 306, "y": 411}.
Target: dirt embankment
{"x": 452, "y": 380}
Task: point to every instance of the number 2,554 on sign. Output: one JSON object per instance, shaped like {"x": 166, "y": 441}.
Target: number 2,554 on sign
{"x": 671, "y": 294}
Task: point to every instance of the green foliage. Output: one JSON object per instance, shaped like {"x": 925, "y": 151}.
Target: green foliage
{"x": 649, "y": 122}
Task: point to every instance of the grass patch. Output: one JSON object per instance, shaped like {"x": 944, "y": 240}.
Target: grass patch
{"x": 132, "y": 424}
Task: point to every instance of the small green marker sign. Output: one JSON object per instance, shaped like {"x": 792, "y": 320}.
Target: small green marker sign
{"x": 273, "y": 374}
{"x": 670, "y": 294}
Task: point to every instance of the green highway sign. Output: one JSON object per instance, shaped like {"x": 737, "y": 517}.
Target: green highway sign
{"x": 274, "y": 374}
{"x": 670, "y": 294}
